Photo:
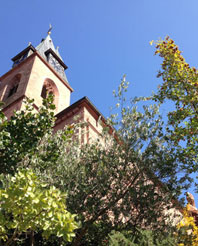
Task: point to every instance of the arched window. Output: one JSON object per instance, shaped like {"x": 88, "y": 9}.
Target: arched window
{"x": 13, "y": 86}
{"x": 49, "y": 87}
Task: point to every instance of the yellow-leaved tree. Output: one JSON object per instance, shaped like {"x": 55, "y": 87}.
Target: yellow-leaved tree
{"x": 188, "y": 231}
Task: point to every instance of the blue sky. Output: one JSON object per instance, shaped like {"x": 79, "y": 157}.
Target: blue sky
{"x": 100, "y": 40}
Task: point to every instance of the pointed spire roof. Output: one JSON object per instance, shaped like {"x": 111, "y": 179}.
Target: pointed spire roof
{"x": 47, "y": 46}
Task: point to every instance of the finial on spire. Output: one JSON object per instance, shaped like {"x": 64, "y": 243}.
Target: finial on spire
{"x": 50, "y": 28}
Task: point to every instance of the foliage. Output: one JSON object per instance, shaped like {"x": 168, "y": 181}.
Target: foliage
{"x": 114, "y": 183}
{"x": 19, "y": 140}
{"x": 28, "y": 206}
{"x": 119, "y": 239}
{"x": 142, "y": 238}
{"x": 188, "y": 231}
{"x": 22, "y": 134}
{"x": 180, "y": 86}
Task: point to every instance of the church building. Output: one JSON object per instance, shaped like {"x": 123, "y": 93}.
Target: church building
{"x": 37, "y": 71}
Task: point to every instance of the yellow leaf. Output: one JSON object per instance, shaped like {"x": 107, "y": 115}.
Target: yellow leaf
{"x": 151, "y": 42}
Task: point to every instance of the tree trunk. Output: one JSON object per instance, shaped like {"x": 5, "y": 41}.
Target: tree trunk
{"x": 32, "y": 238}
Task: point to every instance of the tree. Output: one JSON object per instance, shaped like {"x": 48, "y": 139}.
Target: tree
{"x": 116, "y": 184}
{"x": 27, "y": 206}
{"x": 188, "y": 231}
{"x": 180, "y": 86}
{"x": 125, "y": 182}
{"x": 142, "y": 238}
{"x": 22, "y": 134}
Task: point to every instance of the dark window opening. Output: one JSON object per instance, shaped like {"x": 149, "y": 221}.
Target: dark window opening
{"x": 13, "y": 90}
{"x": 20, "y": 59}
{"x": 44, "y": 92}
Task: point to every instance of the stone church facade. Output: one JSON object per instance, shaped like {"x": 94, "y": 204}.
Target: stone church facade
{"x": 40, "y": 70}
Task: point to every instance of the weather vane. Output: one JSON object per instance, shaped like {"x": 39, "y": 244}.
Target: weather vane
{"x": 50, "y": 28}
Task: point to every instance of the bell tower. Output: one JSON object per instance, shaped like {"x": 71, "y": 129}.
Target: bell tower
{"x": 36, "y": 71}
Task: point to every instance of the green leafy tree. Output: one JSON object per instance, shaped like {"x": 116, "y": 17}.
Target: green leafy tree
{"x": 19, "y": 140}
{"x": 116, "y": 183}
{"x": 28, "y": 206}
{"x": 22, "y": 134}
{"x": 142, "y": 238}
